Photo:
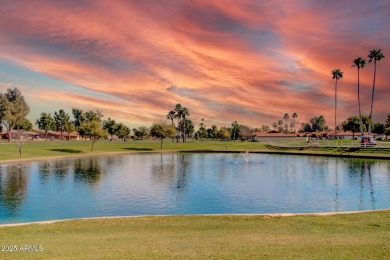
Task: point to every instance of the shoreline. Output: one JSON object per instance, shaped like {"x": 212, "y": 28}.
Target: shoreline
{"x": 325, "y": 154}
{"x": 272, "y": 215}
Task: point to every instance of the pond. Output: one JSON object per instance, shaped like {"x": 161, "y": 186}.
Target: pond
{"x": 189, "y": 183}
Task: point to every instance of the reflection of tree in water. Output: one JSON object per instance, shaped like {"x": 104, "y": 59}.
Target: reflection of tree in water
{"x": 87, "y": 171}
{"x": 58, "y": 168}
{"x": 361, "y": 169}
{"x": 163, "y": 171}
{"x": 13, "y": 186}
{"x": 182, "y": 178}
{"x": 44, "y": 170}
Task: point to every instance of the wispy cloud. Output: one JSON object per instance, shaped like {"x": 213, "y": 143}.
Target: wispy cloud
{"x": 225, "y": 60}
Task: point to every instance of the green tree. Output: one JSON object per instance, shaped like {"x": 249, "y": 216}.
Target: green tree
{"x": 162, "y": 131}
{"x": 280, "y": 125}
{"x": 60, "y": 120}
{"x": 79, "y": 117}
{"x": 122, "y": 131}
{"x": 374, "y": 56}
{"x": 202, "y": 132}
{"x": 187, "y": 126}
{"x": 264, "y": 128}
{"x": 223, "y": 133}
{"x": 45, "y": 123}
{"x": 94, "y": 130}
{"x": 359, "y": 63}
{"x": 286, "y": 117}
{"x": 387, "y": 126}
{"x": 182, "y": 113}
{"x": 306, "y": 127}
{"x": 379, "y": 128}
{"x": 235, "y": 129}
{"x": 275, "y": 125}
{"x": 69, "y": 128}
{"x": 295, "y": 115}
{"x": 352, "y": 124}
{"x": 318, "y": 123}
{"x": 337, "y": 74}
{"x": 13, "y": 109}
{"x": 141, "y": 132}
{"x": 171, "y": 115}
{"x": 93, "y": 116}
{"x": 110, "y": 126}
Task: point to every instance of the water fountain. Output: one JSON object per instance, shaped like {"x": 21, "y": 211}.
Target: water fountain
{"x": 246, "y": 157}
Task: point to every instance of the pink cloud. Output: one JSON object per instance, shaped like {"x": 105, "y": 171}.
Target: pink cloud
{"x": 225, "y": 60}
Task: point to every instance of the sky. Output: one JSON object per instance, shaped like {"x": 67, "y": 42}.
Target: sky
{"x": 246, "y": 61}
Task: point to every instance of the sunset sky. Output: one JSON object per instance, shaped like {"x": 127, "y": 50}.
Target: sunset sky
{"x": 250, "y": 61}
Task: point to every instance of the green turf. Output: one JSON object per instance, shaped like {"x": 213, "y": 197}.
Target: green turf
{"x": 36, "y": 149}
{"x": 351, "y": 236}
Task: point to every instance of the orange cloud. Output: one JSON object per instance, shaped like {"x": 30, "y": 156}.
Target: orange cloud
{"x": 224, "y": 60}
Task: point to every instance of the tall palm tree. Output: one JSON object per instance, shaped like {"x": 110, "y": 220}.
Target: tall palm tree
{"x": 184, "y": 112}
{"x": 337, "y": 74}
{"x": 177, "y": 115}
{"x": 374, "y": 55}
{"x": 295, "y": 115}
{"x": 359, "y": 63}
{"x": 285, "y": 117}
{"x": 181, "y": 113}
{"x": 171, "y": 116}
{"x": 235, "y": 127}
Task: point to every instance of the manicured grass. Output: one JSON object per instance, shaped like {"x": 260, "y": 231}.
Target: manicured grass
{"x": 350, "y": 236}
{"x": 34, "y": 149}
{"x": 37, "y": 149}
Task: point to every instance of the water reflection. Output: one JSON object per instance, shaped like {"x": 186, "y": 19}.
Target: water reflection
{"x": 181, "y": 183}
{"x": 360, "y": 171}
{"x": 182, "y": 167}
{"x": 163, "y": 169}
{"x": 88, "y": 171}
{"x": 13, "y": 187}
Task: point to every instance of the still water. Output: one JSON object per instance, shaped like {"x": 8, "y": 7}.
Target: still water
{"x": 189, "y": 183}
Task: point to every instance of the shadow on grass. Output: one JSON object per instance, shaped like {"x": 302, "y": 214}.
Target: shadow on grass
{"x": 138, "y": 149}
{"x": 65, "y": 150}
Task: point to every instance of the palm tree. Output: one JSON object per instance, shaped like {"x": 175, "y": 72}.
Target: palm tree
{"x": 285, "y": 117}
{"x": 374, "y": 55}
{"x": 359, "y": 62}
{"x": 235, "y": 127}
{"x": 177, "y": 115}
{"x": 295, "y": 115}
{"x": 171, "y": 116}
{"x": 337, "y": 74}
{"x": 181, "y": 113}
{"x": 184, "y": 112}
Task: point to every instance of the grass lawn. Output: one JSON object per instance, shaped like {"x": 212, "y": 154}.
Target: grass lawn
{"x": 350, "y": 236}
{"x": 36, "y": 149}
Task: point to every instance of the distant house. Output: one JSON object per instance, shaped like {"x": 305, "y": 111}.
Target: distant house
{"x": 56, "y": 135}
{"x": 276, "y": 136}
{"x": 26, "y": 135}
{"x": 348, "y": 135}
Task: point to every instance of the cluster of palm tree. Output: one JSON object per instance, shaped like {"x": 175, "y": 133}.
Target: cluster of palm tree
{"x": 180, "y": 113}
{"x": 279, "y": 124}
{"x": 359, "y": 63}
